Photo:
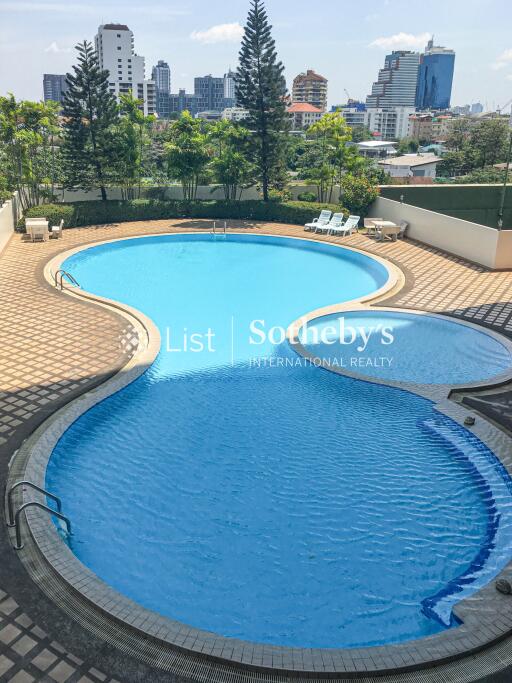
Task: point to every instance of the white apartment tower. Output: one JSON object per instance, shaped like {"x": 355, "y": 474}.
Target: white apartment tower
{"x": 230, "y": 86}
{"x": 393, "y": 96}
{"x": 397, "y": 81}
{"x": 115, "y": 48}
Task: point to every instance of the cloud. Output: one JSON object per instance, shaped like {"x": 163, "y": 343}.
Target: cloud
{"x": 402, "y": 40}
{"x": 222, "y": 33}
{"x": 503, "y": 60}
{"x": 55, "y": 49}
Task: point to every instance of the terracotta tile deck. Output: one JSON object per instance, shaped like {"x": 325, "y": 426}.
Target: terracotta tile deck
{"x": 53, "y": 347}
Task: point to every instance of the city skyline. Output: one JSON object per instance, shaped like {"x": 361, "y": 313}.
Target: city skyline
{"x": 196, "y": 39}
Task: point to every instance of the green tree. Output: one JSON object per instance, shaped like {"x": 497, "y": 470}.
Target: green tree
{"x": 261, "y": 89}
{"x": 231, "y": 165}
{"x": 488, "y": 140}
{"x": 188, "y": 153}
{"x": 329, "y": 155}
{"x": 133, "y": 132}
{"x": 361, "y": 134}
{"x": 27, "y": 140}
{"x": 459, "y": 134}
{"x": 408, "y": 146}
{"x": 90, "y": 116}
{"x": 358, "y": 193}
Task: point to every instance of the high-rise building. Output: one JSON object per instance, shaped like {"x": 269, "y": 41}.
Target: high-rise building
{"x": 161, "y": 75}
{"x": 393, "y": 96}
{"x": 183, "y": 101}
{"x": 230, "y": 89}
{"x": 115, "y": 49}
{"x": 389, "y": 123}
{"x": 435, "y": 77}
{"x": 477, "y": 108}
{"x": 310, "y": 88}
{"x": 210, "y": 91}
{"x": 54, "y": 87}
{"x": 397, "y": 81}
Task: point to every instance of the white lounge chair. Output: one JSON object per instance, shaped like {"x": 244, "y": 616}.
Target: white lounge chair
{"x": 323, "y": 219}
{"x": 333, "y": 224}
{"x": 56, "y": 230}
{"x": 348, "y": 227}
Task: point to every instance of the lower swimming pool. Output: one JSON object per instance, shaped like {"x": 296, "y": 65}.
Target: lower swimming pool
{"x": 294, "y": 506}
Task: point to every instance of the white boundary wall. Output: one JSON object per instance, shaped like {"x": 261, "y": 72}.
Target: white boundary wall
{"x": 204, "y": 192}
{"x": 474, "y": 242}
{"x": 8, "y": 220}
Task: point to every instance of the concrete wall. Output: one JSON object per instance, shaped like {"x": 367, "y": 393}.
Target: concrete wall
{"x": 204, "y": 192}
{"x": 478, "y": 243}
{"x": 474, "y": 203}
{"x": 8, "y": 220}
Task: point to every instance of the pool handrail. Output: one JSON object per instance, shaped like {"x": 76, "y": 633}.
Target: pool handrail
{"x": 10, "y": 507}
{"x": 41, "y": 506}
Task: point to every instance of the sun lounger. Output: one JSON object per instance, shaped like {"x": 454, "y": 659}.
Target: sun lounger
{"x": 323, "y": 219}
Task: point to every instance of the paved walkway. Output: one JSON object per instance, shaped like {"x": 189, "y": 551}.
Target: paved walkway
{"x": 53, "y": 348}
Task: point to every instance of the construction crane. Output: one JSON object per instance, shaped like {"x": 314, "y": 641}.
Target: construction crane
{"x": 500, "y": 109}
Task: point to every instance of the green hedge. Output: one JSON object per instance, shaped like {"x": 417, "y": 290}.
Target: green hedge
{"x": 102, "y": 213}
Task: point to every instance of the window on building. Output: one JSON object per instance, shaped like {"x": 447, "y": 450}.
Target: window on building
{"x": 118, "y": 47}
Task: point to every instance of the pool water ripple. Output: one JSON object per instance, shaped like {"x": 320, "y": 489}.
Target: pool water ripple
{"x": 293, "y": 506}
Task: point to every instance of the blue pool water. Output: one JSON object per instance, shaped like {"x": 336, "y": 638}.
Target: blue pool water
{"x": 293, "y": 506}
{"x": 418, "y": 348}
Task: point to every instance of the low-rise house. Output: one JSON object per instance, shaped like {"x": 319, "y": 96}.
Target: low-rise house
{"x": 376, "y": 149}
{"x": 411, "y": 166}
{"x": 303, "y": 115}
{"x": 235, "y": 114}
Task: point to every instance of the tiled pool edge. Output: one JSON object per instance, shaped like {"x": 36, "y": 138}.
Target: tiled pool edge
{"x": 316, "y": 663}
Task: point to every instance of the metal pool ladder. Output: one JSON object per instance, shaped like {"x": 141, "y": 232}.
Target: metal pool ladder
{"x": 222, "y": 230}
{"x": 13, "y": 519}
{"x": 59, "y": 277}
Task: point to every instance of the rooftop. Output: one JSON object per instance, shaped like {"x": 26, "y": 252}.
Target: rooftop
{"x": 375, "y": 144}
{"x": 412, "y": 160}
{"x": 303, "y": 108}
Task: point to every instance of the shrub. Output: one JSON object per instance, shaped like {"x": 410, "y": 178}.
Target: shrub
{"x": 358, "y": 193}
{"x": 307, "y": 197}
{"x": 54, "y": 213}
{"x": 100, "y": 213}
{"x": 5, "y": 195}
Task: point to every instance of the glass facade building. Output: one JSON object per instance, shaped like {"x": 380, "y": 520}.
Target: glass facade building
{"x": 435, "y": 78}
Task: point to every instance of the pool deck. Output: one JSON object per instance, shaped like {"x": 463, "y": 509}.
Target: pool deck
{"x": 54, "y": 348}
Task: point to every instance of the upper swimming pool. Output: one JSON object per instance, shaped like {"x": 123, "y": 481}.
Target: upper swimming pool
{"x": 295, "y": 506}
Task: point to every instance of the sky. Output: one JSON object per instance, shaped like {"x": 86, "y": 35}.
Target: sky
{"x": 343, "y": 40}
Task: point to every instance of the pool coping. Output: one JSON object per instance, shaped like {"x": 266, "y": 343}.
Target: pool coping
{"x": 476, "y": 632}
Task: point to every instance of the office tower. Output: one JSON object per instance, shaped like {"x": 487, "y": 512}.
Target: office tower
{"x": 183, "y": 101}
{"x": 310, "y": 88}
{"x": 161, "y": 75}
{"x": 115, "y": 48}
{"x": 54, "y": 87}
{"x": 210, "y": 92}
{"x": 477, "y": 108}
{"x": 393, "y": 96}
{"x": 397, "y": 81}
{"x": 435, "y": 78}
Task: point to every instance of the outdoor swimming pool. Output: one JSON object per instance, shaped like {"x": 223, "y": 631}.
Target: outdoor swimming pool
{"x": 294, "y": 506}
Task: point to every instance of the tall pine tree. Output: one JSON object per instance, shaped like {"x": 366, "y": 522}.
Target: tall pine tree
{"x": 261, "y": 89}
{"x": 90, "y": 113}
